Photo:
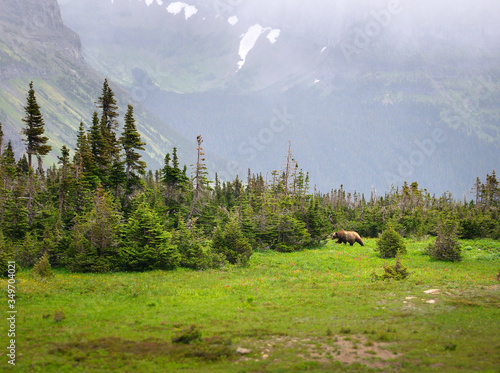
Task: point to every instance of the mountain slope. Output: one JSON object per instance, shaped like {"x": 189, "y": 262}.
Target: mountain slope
{"x": 360, "y": 85}
{"x": 36, "y": 45}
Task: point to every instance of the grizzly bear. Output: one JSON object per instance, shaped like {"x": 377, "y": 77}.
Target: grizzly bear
{"x": 347, "y": 236}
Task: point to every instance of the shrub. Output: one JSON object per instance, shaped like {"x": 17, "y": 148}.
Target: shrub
{"x": 446, "y": 246}
{"x": 42, "y": 268}
{"x": 390, "y": 243}
{"x": 396, "y": 272}
{"x": 187, "y": 336}
{"x": 59, "y": 315}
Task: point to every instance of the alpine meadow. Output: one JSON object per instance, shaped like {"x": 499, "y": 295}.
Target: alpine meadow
{"x": 226, "y": 186}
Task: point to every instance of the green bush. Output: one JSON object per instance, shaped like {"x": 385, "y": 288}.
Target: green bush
{"x": 187, "y": 336}
{"x": 390, "y": 244}
{"x": 396, "y": 272}
{"x": 147, "y": 246}
{"x": 446, "y": 246}
{"x": 42, "y": 268}
{"x": 231, "y": 243}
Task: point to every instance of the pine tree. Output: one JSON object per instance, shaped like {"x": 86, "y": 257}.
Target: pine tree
{"x": 65, "y": 183}
{"x": 190, "y": 247}
{"x": 147, "y": 245}
{"x": 96, "y": 236}
{"x": 34, "y": 130}
{"x": 98, "y": 147}
{"x": 22, "y": 165}
{"x": 200, "y": 180}
{"x": 109, "y": 123}
{"x": 200, "y": 171}
{"x": 231, "y": 242}
{"x": 131, "y": 142}
{"x": 1, "y": 140}
{"x": 83, "y": 159}
{"x": 8, "y": 167}
{"x": 107, "y": 103}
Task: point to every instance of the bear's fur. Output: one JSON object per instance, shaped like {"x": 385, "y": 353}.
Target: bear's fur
{"x": 347, "y": 236}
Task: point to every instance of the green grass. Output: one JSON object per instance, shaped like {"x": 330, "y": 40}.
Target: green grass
{"x": 316, "y": 310}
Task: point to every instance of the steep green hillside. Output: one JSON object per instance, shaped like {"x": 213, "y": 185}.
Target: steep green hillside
{"x": 37, "y": 47}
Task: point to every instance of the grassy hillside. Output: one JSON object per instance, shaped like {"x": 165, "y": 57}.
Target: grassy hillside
{"x": 315, "y": 310}
{"x": 43, "y": 50}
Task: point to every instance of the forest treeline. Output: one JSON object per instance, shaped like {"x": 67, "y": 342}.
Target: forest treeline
{"x": 100, "y": 209}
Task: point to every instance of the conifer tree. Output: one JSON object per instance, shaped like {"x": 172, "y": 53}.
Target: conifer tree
{"x": 35, "y": 128}
{"x": 83, "y": 159}
{"x": 65, "y": 183}
{"x": 22, "y": 165}
{"x": 8, "y": 167}
{"x": 109, "y": 123}
{"x": 231, "y": 242}
{"x": 96, "y": 236}
{"x": 147, "y": 245}
{"x": 200, "y": 170}
{"x": 1, "y": 140}
{"x": 98, "y": 146}
{"x": 131, "y": 142}
{"x": 107, "y": 103}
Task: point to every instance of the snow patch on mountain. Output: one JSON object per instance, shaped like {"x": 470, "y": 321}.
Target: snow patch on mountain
{"x": 232, "y": 20}
{"x": 249, "y": 39}
{"x": 273, "y": 35}
{"x": 149, "y": 2}
{"x": 177, "y": 7}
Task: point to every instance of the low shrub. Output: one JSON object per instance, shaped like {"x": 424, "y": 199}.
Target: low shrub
{"x": 396, "y": 272}
{"x": 390, "y": 244}
{"x": 446, "y": 246}
{"x": 42, "y": 268}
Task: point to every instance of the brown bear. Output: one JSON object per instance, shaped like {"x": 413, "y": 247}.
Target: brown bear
{"x": 343, "y": 236}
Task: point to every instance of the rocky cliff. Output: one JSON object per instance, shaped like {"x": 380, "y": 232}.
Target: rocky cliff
{"x": 35, "y": 45}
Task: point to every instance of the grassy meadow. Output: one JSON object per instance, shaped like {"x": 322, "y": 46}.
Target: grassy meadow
{"x": 317, "y": 310}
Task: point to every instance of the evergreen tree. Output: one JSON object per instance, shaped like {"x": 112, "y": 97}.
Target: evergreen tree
{"x": 1, "y": 140}
{"x": 98, "y": 147}
{"x": 193, "y": 254}
{"x": 35, "y": 128}
{"x": 200, "y": 175}
{"x": 6, "y": 255}
{"x": 8, "y": 167}
{"x": 131, "y": 142}
{"x": 231, "y": 242}
{"x": 96, "y": 237}
{"x": 84, "y": 158}
{"x": 147, "y": 245}
{"x": 109, "y": 124}
{"x": 15, "y": 216}
{"x": 107, "y": 103}
{"x": 22, "y": 165}
{"x": 66, "y": 180}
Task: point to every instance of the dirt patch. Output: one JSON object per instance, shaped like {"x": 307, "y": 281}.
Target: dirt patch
{"x": 344, "y": 349}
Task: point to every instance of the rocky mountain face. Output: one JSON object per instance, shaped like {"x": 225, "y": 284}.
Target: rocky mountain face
{"x": 35, "y": 45}
{"x": 28, "y": 24}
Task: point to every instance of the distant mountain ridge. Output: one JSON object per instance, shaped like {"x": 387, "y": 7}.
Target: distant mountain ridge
{"x": 36, "y": 45}
{"x": 359, "y": 123}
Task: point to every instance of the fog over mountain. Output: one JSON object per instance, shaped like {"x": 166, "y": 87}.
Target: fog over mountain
{"x": 370, "y": 93}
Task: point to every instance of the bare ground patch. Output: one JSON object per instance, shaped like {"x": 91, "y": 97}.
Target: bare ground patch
{"x": 344, "y": 349}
